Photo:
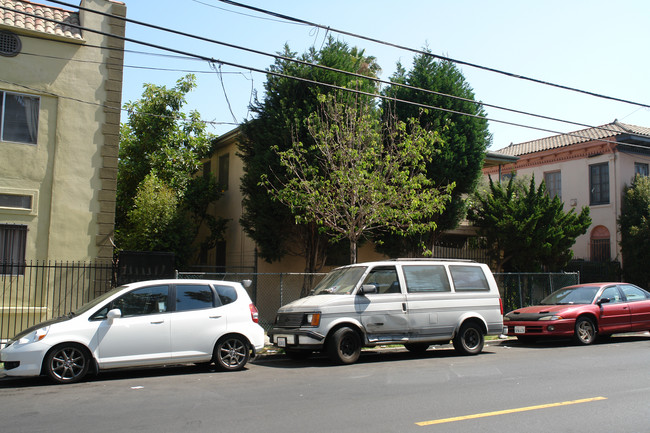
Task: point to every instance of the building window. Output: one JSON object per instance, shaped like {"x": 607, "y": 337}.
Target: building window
{"x": 19, "y": 117}
{"x": 599, "y": 184}
{"x": 640, "y": 169}
{"x": 224, "y": 162}
{"x": 553, "y": 181}
{"x": 15, "y": 201}
{"x": 13, "y": 239}
{"x": 600, "y": 245}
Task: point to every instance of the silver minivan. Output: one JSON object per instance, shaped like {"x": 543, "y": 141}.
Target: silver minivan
{"x": 414, "y": 302}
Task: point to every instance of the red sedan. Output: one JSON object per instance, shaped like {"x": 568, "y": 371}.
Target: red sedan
{"x": 583, "y": 312}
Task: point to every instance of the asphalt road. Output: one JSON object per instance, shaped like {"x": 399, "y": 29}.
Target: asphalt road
{"x": 550, "y": 387}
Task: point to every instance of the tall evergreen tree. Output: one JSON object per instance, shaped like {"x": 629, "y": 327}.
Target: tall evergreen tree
{"x": 634, "y": 223}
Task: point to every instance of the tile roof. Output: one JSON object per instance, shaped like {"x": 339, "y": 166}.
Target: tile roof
{"x": 12, "y": 17}
{"x": 600, "y": 132}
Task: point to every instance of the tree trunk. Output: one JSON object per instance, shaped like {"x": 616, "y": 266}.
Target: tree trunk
{"x": 353, "y": 251}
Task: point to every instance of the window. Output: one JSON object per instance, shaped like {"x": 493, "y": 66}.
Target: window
{"x": 633, "y": 294}
{"x": 600, "y": 245}
{"x": 224, "y": 162}
{"x": 384, "y": 278}
{"x": 19, "y": 117}
{"x": 227, "y": 294}
{"x": 13, "y": 239}
{"x": 426, "y": 279}
{"x": 612, "y": 294}
{"x": 146, "y": 300}
{"x": 599, "y": 184}
{"x": 641, "y": 169}
{"x": 15, "y": 201}
{"x": 468, "y": 278}
{"x": 193, "y": 297}
{"x": 553, "y": 181}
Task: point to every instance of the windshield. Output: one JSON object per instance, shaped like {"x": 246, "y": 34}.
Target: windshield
{"x": 340, "y": 281}
{"x": 571, "y": 295}
{"x": 96, "y": 301}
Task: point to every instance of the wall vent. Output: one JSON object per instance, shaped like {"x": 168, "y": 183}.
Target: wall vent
{"x": 10, "y": 44}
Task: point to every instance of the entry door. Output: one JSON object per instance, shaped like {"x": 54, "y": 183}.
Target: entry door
{"x": 142, "y": 335}
{"x": 383, "y": 314}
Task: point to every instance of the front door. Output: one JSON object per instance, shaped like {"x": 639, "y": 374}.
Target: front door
{"x": 615, "y": 314}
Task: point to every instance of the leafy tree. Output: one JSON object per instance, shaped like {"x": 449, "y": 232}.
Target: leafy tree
{"x": 634, "y": 223}
{"x": 466, "y": 137}
{"x": 361, "y": 175}
{"x": 160, "y": 202}
{"x": 525, "y": 229}
{"x": 279, "y": 118}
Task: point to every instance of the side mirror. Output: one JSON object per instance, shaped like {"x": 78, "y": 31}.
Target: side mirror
{"x": 246, "y": 283}
{"x": 114, "y": 314}
{"x": 602, "y": 301}
{"x": 367, "y": 289}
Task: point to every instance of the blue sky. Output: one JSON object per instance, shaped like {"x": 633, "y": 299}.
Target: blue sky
{"x": 594, "y": 45}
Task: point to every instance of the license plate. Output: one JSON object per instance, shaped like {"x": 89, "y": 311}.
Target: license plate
{"x": 520, "y": 329}
{"x": 282, "y": 342}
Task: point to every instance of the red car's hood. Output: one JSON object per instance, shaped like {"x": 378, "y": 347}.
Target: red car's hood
{"x": 540, "y": 309}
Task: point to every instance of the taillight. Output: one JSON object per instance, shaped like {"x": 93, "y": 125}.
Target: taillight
{"x": 501, "y": 305}
{"x": 255, "y": 315}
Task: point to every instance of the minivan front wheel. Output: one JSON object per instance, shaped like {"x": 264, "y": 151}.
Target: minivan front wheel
{"x": 469, "y": 340}
{"x": 344, "y": 346}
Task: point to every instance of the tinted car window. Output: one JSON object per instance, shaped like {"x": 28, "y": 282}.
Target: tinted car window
{"x": 145, "y": 300}
{"x": 468, "y": 278}
{"x": 193, "y": 297}
{"x": 426, "y": 279}
{"x": 227, "y": 294}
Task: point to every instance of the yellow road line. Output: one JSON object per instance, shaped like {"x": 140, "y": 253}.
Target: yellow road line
{"x": 508, "y": 411}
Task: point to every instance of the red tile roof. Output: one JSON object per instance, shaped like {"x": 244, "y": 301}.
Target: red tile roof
{"x": 12, "y": 17}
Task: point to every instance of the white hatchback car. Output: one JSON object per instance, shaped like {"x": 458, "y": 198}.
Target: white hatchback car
{"x": 142, "y": 324}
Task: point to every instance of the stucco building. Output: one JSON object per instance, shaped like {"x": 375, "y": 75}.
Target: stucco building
{"x": 60, "y": 99}
{"x": 589, "y": 167}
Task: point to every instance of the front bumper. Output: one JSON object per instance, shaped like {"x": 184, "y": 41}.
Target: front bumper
{"x": 23, "y": 359}
{"x": 296, "y": 338}
{"x": 540, "y": 328}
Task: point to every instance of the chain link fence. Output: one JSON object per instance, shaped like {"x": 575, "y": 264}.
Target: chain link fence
{"x": 521, "y": 289}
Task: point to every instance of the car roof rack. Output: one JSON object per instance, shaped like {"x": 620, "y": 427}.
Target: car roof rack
{"x": 425, "y": 259}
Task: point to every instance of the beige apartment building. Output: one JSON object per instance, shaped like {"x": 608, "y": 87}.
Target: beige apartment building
{"x": 589, "y": 167}
{"x": 60, "y": 99}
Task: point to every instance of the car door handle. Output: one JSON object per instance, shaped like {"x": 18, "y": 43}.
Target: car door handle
{"x": 158, "y": 322}
{"x": 404, "y": 307}
{"x": 215, "y": 317}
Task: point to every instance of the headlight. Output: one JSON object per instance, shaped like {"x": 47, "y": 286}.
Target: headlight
{"x": 312, "y": 319}
{"x": 35, "y": 336}
{"x": 555, "y": 317}
{"x": 506, "y": 318}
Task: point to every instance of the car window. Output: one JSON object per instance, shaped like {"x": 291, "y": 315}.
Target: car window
{"x": 633, "y": 293}
{"x": 193, "y": 297}
{"x": 384, "y": 278}
{"x": 468, "y": 278}
{"x": 227, "y": 294}
{"x": 613, "y": 294}
{"x": 426, "y": 279}
{"x": 145, "y": 300}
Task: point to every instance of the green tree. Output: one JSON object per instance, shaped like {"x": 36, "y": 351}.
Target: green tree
{"x": 634, "y": 224}
{"x": 466, "y": 137}
{"x": 526, "y": 230}
{"x": 361, "y": 175}
{"x": 160, "y": 153}
{"x": 279, "y": 118}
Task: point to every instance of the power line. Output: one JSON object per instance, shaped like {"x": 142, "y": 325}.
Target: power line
{"x": 422, "y": 52}
{"x": 268, "y": 72}
{"x": 327, "y": 68}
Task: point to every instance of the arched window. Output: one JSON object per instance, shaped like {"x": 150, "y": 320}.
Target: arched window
{"x": 600, "y": 244}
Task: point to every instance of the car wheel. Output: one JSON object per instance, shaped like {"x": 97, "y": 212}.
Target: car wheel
{"x": 298, "y": 355}
{"x": 344, "y": 347}
{"x": 231, "y": 353}
{"x": 469, "y": 340}
{"x": 417, "y": 348}
{"x": 68, "y": 363}
{"x": 585, "y": 331}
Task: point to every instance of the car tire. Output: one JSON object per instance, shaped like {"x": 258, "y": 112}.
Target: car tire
{"x": 585, "y": 331}
{"x": 297, "y": 355}
{"x": 231, "y": 353}
{"x": 67, "y": 363}
{"x": 344, "y": 346}
{"x": 469, "y": 339}
{"x": 417, "y": 348}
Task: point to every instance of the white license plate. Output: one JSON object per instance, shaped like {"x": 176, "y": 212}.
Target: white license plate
{"x": 520, "y": 329}
{"x": 282, "y": 341}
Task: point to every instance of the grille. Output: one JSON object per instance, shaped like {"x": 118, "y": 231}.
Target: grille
{"x": 289, "y": 320}
{"x": 10, "y": 44}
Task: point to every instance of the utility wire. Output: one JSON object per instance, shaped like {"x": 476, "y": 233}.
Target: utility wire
{"x": 330, "y": 69}
{"x": 421, "y": 52}
{"x": 268, "y": 72}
